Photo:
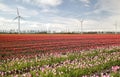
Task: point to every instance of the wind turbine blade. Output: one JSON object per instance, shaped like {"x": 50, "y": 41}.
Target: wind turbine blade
{"x": 17, "y": 12}
{"x": 15, "y": 18}
{"x": 22, "y": 18}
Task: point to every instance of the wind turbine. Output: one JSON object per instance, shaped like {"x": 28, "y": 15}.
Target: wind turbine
{"x": 19, "y": 18}
{"x": 81, "y": 21}
{"x": 115, "y": 27}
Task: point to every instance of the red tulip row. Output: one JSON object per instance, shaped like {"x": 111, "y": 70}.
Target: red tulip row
{"x": 17, "y": 46}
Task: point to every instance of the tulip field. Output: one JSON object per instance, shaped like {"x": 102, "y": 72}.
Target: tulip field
{"x": 59, "y": 55}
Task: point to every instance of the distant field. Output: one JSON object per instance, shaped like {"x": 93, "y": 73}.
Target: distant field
{"x": 37, "y": 55}
{"x": 18, "y": 45}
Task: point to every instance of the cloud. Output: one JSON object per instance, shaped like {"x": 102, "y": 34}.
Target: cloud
{"x": 105, "y": 24}
{"x": 44, "y": 3}
{"x": 49, "y": 2}
{"x": 105, "y": 8}
{"x": 46, "y": 6}
{"x": 25, "y": 12}
{"x": 6, "y": 24}
{"x": 4, "y": 20}
{"x": 85, "y": 1}
{"x": 49, "y": 10}
{"x": 10, "y": 11}
{"x": 30, "y": 12}
{"x": 64, "y": 20}
{"x": 4, "y": 7}
{"x": 111, "y": 6}
{"x": 63, "y": 24}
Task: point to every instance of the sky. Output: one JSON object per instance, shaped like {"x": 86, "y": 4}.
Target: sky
{"x": 61, "y": 15}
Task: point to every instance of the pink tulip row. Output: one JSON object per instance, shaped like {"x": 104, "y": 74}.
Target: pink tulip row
{"x": 84, "y": 62}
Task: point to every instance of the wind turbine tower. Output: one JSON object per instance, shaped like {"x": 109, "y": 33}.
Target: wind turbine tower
{"x": 81, "y": 21}
{"x": 19, "y": 18}
{"x": 115, "y": 27}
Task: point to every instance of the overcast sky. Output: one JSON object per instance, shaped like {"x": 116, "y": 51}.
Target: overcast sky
{"x": 61, "y": 15}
